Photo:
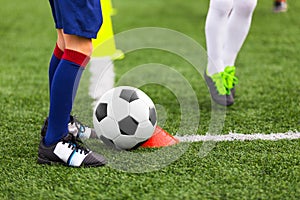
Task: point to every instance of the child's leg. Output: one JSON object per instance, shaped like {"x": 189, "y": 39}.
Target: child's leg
{"x": 64, "y": 85}
{"x": 56, "y": 56}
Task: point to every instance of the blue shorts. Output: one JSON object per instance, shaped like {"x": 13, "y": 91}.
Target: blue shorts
{"x": 77, "y": 17}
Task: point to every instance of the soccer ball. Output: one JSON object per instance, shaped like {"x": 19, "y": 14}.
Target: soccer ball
{"x": 124, "y": 118}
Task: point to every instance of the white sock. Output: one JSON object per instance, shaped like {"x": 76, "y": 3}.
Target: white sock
{"x": 216, "y": 21}
{"x": 237, "y": 29}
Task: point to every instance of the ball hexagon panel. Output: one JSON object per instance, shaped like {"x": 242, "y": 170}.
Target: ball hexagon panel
{"x": 139, "y": 110}
{"x": 118, "y": 109}
{"x": 144, "y": 131}
{"x": 109, "y": 128}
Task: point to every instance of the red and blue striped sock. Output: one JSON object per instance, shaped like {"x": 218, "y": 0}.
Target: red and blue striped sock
{"x": 63, "y": 90}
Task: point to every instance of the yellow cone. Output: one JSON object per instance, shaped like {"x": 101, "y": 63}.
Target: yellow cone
{"x": 105, "y": 45}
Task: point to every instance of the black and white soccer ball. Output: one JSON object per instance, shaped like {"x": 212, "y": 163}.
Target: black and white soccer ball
{"x": 124, "y": 118}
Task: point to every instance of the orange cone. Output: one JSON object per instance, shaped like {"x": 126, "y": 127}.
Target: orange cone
{"x": 160, "y": 138}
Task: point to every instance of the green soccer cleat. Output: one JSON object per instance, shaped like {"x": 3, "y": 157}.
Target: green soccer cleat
{"x": 231, "y": 79}
{"x": 221, "y": 86}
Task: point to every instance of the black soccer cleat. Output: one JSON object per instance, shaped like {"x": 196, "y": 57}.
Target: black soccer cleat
{"x": 222, "y": 86}
{"x": 69, "y": 152}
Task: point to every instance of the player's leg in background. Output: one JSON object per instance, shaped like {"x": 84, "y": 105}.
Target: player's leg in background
{"x": 237, "y": 29}
{"x": 280, "y": 6}
{"x": 215, "y": 27}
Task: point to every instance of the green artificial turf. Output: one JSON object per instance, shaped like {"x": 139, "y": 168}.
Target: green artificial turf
{"x": 267, "y": 101}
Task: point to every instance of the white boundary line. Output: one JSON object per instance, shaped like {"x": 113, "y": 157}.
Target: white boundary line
{"x": 103, "y": 68}
{"x": 240, "y": 137}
